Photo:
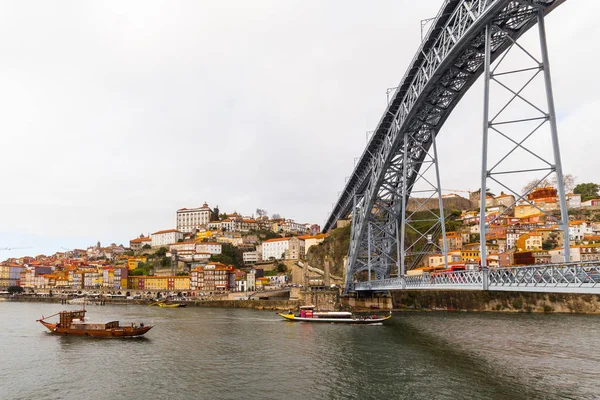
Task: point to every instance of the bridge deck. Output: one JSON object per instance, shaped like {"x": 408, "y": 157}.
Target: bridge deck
{"x": 551, "y": 278}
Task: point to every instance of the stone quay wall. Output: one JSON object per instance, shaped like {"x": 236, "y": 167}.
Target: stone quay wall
{"x": 493, "y": 301}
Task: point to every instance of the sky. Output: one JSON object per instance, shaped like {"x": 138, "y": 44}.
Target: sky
{"x": 116, "y": 114}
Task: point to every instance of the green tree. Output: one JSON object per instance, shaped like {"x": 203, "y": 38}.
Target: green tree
{"x": 15, "y": 289}
{"x": 588, "y": 191}
{"x": 214, "y": 214}
{"x": 161, "y": 252}
{"x": 221, "y": 258}
{"x": 229, "y": 256}
{"x": 281, "y": 267}
{"x": 146, "y": 247}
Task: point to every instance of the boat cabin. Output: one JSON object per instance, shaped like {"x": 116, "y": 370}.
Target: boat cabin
{"x": 66, "y": 318}
{"x": 76, "y": 320}
{"x": 309, "y": 312}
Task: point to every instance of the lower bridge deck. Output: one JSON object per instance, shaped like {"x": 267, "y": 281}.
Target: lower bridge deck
{"x": 549, "y": 278}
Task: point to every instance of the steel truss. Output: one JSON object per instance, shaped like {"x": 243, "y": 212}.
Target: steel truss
{"x": 580, "y": 277}
{"x": 519, "y": 130}
{"x": 448, "y": 62}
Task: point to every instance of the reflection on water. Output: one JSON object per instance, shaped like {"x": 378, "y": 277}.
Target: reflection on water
{"x": 231, "y": 354}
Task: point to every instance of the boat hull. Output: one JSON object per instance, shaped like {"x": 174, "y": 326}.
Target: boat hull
{"x": 125, "y": 331}
{"x": 177, "y": 305}
{"x": 351, "y": 321}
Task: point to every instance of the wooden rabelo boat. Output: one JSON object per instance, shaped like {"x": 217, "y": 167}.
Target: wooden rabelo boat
{"x": 73, "y": 323}
{"x": 308, "y": 314}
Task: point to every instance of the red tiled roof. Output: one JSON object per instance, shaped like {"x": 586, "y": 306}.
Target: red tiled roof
{"x": 140, "y": 240}
{"x": 166, "y": 231}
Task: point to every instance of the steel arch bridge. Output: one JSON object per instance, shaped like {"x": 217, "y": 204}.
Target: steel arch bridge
{"x": 465, "y": 39}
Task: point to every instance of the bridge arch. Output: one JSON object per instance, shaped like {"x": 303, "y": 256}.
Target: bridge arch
{"x": 450, "y": 59}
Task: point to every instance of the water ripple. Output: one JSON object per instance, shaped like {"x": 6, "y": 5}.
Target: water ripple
{"x": 232, "y": 354}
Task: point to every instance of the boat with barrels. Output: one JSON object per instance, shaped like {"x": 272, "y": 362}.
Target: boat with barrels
{"x": 74, "y": 323}
{"x": 308, "y": 314}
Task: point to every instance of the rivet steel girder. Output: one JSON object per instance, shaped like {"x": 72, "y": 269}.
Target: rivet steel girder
{"x": 448, "y": 62}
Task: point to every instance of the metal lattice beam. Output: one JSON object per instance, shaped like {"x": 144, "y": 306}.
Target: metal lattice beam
{"x": 446, "y": 65}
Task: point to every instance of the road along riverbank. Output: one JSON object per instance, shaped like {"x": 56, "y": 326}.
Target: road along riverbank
{"x": 252, "y": 304}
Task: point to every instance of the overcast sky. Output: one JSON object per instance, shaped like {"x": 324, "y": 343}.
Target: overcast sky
{"x": 117, "y": 113}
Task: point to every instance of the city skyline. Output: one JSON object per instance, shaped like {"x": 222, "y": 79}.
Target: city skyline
{"x": 105, "y": 102}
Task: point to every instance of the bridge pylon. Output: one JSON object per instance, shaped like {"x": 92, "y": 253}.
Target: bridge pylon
{"x": 519, "y": 124}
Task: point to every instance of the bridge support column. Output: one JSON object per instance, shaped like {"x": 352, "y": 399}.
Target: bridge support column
{"x": 484, "y": 152}
{"x": 485, "y": 275}
{"x": 507, "y": 131}
{"x": 440, "y": 203}
{"x": 402, "y": 254}
{"x": 564, "y": 215}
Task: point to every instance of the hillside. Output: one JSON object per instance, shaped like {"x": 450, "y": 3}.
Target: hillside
{"x": 332, "y": 250}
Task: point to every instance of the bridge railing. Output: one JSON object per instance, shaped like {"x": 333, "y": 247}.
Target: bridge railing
{"x": 456, "y": 279}
{"x": 575, "y": 277}
{"x": 566, "y": 275}
{"x": 471, "y": 279}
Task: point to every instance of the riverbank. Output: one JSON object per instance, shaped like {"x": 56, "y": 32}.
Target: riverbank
{"x": 275, "y": 305}
{"x": 480, "y": 301}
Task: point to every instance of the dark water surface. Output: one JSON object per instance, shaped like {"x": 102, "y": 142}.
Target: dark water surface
{"x": 202, "y": 353}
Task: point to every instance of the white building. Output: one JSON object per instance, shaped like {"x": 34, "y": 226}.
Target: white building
{"x": 275, "y": 248}
{"x": 182, "y": 247}
{"x": 215, "y": 225}
{"x": 291, "y": 226}
{"x": 573, "y": 200}
{"x": 310, "y": 241}
{"x": 250, "y": 257}
{"x": 558, "y": 255}
{"x": 190, "y": 219}
{"x": 241, "y": 285}
{"x": 165, "y": 238}
{"x": 209, "y": 247}
{"x": 578, "y": 229}
{"x": 251, "y": 281}
{"x": 290, "y": 248}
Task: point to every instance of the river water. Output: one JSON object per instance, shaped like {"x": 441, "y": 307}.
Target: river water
{"x": 210, "y": 353}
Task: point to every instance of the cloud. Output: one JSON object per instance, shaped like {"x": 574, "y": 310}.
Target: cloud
{"x": 115, "y": 114}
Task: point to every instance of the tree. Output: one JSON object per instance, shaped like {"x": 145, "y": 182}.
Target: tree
{"x": 260, "y": 212}
{"x": 281, "y": 267}
{"x": 568, "y": 182}
{"x": 536, "y": 183}
{"x": 229, "y": 256}
{"x": 214, "y": 214}
{"x": 15, "y": 289}
{"x": 146, "y": 247}
{"x": 588, "y": 191}
{"x": 161, "y": 252}
{"x": 487, "y": 192}
{"x": 276, "y": 216}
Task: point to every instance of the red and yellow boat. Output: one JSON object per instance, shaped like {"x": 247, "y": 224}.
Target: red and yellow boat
{"x": 308, "y": 314}
{"x": 74, "y": 323}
